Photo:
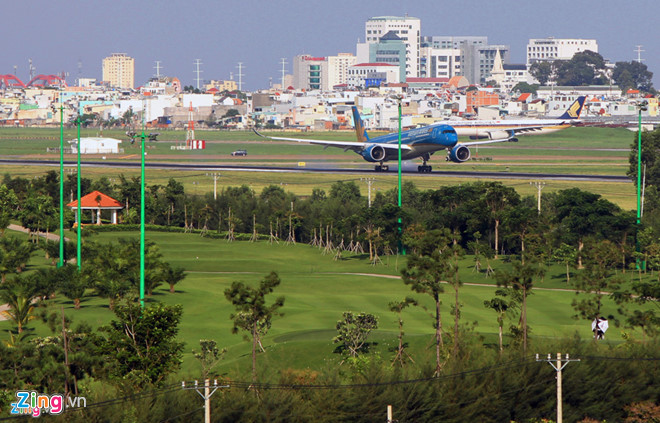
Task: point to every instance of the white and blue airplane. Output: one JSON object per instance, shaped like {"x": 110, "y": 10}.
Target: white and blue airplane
{"x": 415, "y": 143}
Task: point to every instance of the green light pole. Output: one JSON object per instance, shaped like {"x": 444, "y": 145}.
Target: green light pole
{"x": 400, "y": 228}
{"x": 79, "y": 228}
{"x": 142, "y": 138}
{"x": 641, "y": 107}
{"x": 60, "y": 262}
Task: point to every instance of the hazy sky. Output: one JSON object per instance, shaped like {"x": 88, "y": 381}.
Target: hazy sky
{"x": 56, "y": 35}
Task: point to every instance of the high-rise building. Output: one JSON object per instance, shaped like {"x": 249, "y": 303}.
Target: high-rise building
{"x": 338, "y": 69}
{"x": 390, "y": 49}
{"x": 476, "y": 60}
{"x": 549, "y": 49}
{"x": 119, "y": 70}
{"x": 406, "y": 28}
{"x": 310, "y": 73}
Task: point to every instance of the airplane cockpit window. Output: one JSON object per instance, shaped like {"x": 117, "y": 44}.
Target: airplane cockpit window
{"x": 448, "y": 131}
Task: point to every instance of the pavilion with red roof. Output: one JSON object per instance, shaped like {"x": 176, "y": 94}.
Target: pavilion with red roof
{"x": 98, "y": 201}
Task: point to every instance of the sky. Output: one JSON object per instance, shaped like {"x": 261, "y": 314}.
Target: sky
{"x": 58, "y": 35}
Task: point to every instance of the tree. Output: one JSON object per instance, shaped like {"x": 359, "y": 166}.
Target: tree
{"x": 500, "y": 305}
{"x": 353, "y": 331}
{"x": 172, "y": 275}
{"x": 521, "y": 279}
{"x": 73, "y": 283}
{"x": 252, "y": 313}
{"x": 524, "y": 87}
{"x": 634, "y": 75}
{"x": 427, "y": 268}
{"x": 209, "y": 355}
{"x": 398, "y": 307}
{"x": 141, "y": 345}
{"x": 595, "y": 280}
{"x": 584, "y": 68}
{"x": 18, "y": 296}
{"x": 499, "y": 198}
{"x": 567, "y": 255}
{"x": 543, "y": 71}
{"x": 8, "y": 207}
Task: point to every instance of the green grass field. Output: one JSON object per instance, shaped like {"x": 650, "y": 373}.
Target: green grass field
{"x": 317, "y": 290}
{"x": 598, "y": 151}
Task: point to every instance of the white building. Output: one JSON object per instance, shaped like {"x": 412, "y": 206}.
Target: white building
{"x": 549, "y": 49}
{"x": 406, "y": 28}
{"x": 310, "y": 73}
{"x": 96, "y": 145}
{"x": 441, "y": 62}
{"x": 338, "y": 69}
{"x": 365, "y": 75}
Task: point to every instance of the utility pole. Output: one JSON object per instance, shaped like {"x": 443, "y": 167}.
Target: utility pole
{"x": 539, "y": 187}
{"x": 369, "y": 182}
{"x": 559, "y": 366}
{"x": 215, "y": 185}
{"x": 206, "y": 395}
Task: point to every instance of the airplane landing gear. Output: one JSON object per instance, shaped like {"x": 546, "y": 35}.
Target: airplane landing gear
{"x": 424, "y": 168}
{"x": 381, "y": 168}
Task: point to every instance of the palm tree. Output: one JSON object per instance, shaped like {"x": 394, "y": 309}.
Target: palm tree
{"x": 172, "y": 275}
{"x": 19, "y": 299}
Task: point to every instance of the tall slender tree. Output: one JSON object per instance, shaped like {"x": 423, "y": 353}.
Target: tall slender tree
{"x": 252, "y": 312}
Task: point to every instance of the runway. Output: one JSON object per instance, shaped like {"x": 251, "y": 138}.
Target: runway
{"x": 307, "y": 169}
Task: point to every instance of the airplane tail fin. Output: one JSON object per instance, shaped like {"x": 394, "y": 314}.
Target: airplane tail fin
{"x": 359, "y": 126}
{"x": 573, "y": 112}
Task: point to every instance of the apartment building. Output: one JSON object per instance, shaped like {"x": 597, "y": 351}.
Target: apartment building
{"x": 549, "y": 49}
{"x": 119, "y": 71}
{"x": 407, "y": 28}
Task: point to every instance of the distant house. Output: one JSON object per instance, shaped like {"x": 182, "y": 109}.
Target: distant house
{"x": 96, "y": 145}
{"x": 97, "y": 202}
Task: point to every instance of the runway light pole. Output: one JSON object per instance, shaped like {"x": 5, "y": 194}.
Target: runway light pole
{"x": 60, "y": 262}
{"x": 402, "y": 251}
{"x": 641, "y": 107}
{"x": 79, "y": 228}
{"x": 142, "y": 139}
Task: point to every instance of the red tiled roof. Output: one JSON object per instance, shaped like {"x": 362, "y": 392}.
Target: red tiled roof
{"x": 90, "y": 201}
{"x": 524, "y": 97}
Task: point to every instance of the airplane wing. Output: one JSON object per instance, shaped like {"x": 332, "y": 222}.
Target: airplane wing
{"x": 510, "y": 138}
{"x": 345, "y": 145}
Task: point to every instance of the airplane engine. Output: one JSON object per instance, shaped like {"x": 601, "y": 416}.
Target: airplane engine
{"x": 459, "y": 154}
{"x": 374, "y": 153}
{"x": 498, "y": 135}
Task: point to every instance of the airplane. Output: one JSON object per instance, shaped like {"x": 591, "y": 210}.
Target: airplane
{"x": 491, "y": 129}
{"x": 418, "y": 142}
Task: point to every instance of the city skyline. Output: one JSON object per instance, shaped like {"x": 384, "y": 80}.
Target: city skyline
{"x": 221, "y": 34}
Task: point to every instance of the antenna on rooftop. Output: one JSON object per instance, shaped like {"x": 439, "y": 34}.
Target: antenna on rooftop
{"x": 639, "y": 53}
{"x": 197, "y": 71}
{"x": 157, "y": 67}
{"x": 32, "y": 69}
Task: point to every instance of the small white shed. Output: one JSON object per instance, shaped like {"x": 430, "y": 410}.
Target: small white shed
{"x": 96, "y": 145}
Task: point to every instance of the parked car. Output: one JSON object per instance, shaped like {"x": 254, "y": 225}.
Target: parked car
{"x": 239, "y": 153}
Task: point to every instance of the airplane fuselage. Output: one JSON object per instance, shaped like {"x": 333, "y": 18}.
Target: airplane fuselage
{"x": 422, "y": 141}
{"x": 496, "y": 128}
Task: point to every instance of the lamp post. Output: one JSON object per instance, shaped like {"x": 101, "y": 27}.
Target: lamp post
{"x": 60, "y": 262}
{"x": 79, "y": 228}
{"x": 641, "y": 107}
{"x": 400, "y": 225}
{"x": 142, "y": 140}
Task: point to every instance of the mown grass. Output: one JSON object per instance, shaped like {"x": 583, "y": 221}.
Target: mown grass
{"x": 317, "y": 290}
